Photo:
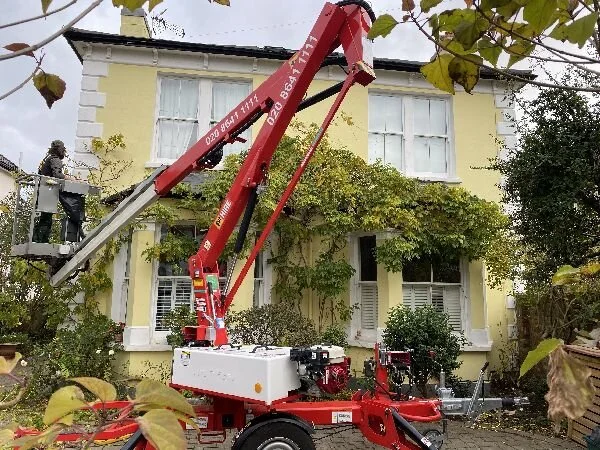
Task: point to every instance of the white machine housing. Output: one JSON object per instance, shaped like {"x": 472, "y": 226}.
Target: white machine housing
{"x": 263, "y": 374}
{"x": 260, "y": 374}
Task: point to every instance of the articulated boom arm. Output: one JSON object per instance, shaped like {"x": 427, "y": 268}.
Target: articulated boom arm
{"x": 279, "y": 98}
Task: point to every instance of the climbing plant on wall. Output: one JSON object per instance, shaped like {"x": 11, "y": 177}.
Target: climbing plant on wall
{"x": 340, "y": 194}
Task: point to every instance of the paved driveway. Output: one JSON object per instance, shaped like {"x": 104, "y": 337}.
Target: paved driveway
{"x": 459, "y": 437}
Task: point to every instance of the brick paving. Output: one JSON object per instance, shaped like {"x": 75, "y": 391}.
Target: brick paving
{"x": 459, "y": 437}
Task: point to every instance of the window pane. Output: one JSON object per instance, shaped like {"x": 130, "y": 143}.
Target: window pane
{"x": 257, "y": 298}
{"x": 376, "y": 147}
{"x": 392, "y": 110}
{"x": 385, "y": 113}
{"x": 446, "y": 272}
{"x": 258, "y": 266}
{"x": 167, "y": 129}
{"x": 169, "y": 97}
{"x": 188, "y": 99}
{"x": 368, "y": 264}
{"x": 437, "y": 155}
{"x": 417, "y": 271}
{"x": 421, "y": 116}
{"x": 225, "y": 97}
{"x": 376, "y": 116}
{"x": 394, "y": 154}
{"x": 437, "y": 117}
{"x": 421, "y": 154}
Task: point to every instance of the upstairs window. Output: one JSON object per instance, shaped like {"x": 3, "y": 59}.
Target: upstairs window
{"x": 189, "y": 107}
{"x": 435, "y": 284}
{"x": 411, "y": 133}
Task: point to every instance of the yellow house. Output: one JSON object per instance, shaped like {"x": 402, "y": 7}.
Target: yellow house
{"x": 163, "y": 95}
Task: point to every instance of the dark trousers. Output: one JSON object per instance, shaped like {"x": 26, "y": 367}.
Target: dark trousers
{"x": 42, "y": 228}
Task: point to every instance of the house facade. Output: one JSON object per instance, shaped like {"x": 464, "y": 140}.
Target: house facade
{"x": 163, "y": 95}
{"x": 7, "y": 179}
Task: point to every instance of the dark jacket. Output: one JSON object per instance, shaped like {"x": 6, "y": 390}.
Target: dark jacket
{"x": 51, "y": 166}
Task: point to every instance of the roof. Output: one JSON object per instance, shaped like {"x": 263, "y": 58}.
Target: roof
{"x": 277, "y": 53}
{"x": 7, "y": 164}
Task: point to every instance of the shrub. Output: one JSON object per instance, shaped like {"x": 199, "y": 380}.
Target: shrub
{"x": 335, "y": 334}
{"x": 278, "y": 324}
{"x": 423, "y": 330}
{"x": 175, "y": 320}
{"x": 86, "y": 350}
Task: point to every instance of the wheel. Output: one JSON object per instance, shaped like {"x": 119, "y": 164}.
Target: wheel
{"x": 279, "y": 436}
{"x": 435, "y": 437}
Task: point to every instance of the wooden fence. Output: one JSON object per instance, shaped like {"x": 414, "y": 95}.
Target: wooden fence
{"x": 586, "y": 424}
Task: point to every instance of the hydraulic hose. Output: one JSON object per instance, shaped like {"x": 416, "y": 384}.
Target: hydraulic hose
{"x": 363, "y": 4}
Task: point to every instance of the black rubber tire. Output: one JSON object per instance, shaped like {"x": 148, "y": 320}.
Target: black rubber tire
{"x": 288, "y": 434}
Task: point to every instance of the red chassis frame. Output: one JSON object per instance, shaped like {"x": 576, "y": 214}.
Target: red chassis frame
{"x": 374, "y": 413}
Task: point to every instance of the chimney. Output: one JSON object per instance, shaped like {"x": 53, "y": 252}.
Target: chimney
{"x": 134, "y": 23}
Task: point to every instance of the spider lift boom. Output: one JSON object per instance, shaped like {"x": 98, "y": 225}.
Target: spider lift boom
{"x": 274, "y": 381}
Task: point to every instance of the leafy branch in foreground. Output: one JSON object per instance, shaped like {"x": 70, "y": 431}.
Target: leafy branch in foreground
{"x": 162, "y": 408}
{"x": 497, "y": 34}
{"x": 51, "y": 86}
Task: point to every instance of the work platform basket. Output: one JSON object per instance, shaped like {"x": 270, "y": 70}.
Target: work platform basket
{"x": 53, "y": 200}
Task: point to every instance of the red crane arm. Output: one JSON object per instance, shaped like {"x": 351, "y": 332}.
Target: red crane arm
{"x": 279, "y": 97}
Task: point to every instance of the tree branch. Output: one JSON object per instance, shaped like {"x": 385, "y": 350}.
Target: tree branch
{"x": 504, "y": 73}
{"x": 15, "y": 89}
{"x": 43, "y": 42}
{"x": 532, "y": 41}
{"x": 41, "y": 16}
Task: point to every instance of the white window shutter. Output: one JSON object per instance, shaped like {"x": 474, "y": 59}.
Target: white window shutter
{"x": 452, "y": 306}
{"x": 368, "y": 306}
{"x": 407, "y": 296}
{"x": 171, "y": 293}
{"x": 415, "y": 296}
{"x": 421, "y": 296}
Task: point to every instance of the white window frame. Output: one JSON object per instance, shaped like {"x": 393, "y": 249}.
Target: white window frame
{"x": 159, "y": 337}
{"x": 120, "y": 284}
{"x": 204, "y": 110}
{"x": 408, "y": 135}
{"x": 266, "y": 282}
{"x": 463, "y": 294}
{"x": 357, "y": 336}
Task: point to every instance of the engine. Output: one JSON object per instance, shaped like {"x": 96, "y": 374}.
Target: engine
{"x": 396, "y": 363}
{"x": 322, "y": 368}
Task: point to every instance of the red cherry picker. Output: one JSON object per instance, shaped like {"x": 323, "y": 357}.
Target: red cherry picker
{"x": 265, "y": 392}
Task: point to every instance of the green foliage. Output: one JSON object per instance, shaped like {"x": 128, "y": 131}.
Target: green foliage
{"x": 335, "y": 334}
{"x": 50, "y": 86}
{"x": 489, "y": 29}
{"x": 88, "y": 349}
{"x": 543, "y": 349}
{"x": 277, "y": 324}
{"x": 553, "y": 179}
{"x": 423, "y": 330}
{"x": 340, "y": 194}
{"x": 30, "y": 309}
{"x": 163, "y": 406}
{"x": 383, "y": 26}
{"x": 438, "y": 74}
{"x": 175, "y": 320}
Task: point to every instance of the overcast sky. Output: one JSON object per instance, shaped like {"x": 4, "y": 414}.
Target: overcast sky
{"x": 28, "y": 126}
